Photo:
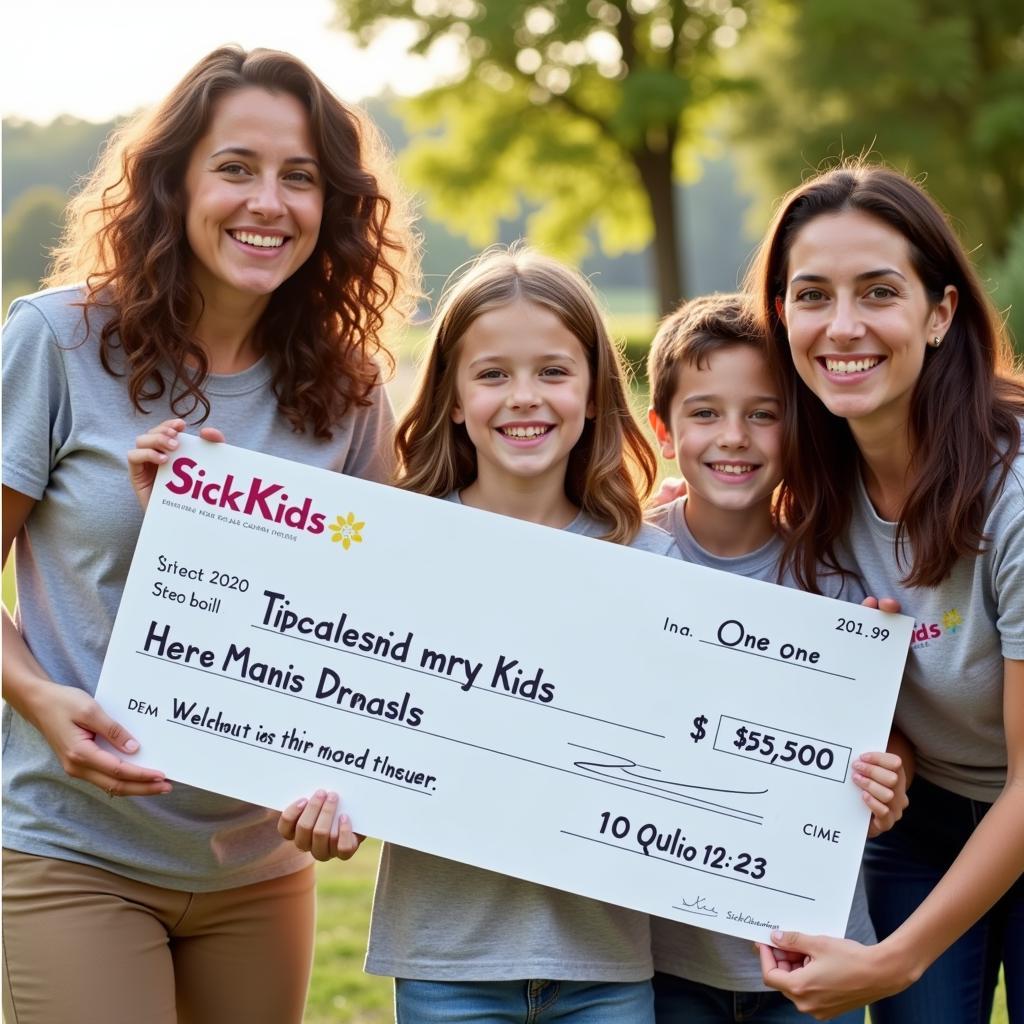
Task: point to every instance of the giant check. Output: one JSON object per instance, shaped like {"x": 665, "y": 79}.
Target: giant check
{"x": 606, "y": 721}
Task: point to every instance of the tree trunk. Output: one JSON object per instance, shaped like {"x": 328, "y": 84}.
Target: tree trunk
{"x": 655, "y": 168}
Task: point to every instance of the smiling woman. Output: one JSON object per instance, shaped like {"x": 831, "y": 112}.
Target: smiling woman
{"x": 859, "y": 318}
{"x": 233, "y": 258}
{"x": 905, "y": 464}
{"x": 247, "y": 143}
{"x": 254, "y": 197}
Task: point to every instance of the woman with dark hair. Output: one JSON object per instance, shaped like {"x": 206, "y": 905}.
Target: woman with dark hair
{"x": 905, "y": 465}
{"x": 234, "y": 257}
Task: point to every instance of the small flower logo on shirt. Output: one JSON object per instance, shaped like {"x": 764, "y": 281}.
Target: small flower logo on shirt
{"x": 346, "y": 531}
{"x": 952, "y": 620}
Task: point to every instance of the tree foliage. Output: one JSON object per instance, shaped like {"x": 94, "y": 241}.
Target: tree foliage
{"x": 31, "y": 229}
{"x": 1007, "y": 285}
{"x": 933, "y": 87}
{"x": 56, "y": 154}
{"x": 587, "y": 110}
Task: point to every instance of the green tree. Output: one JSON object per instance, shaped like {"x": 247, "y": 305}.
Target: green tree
{"x": 588, "y": 109}
{"x": 933, "y": 87}
{"x": 31, "y": 230}
{"x": 1007, "y": 285}
{"x": 57, "y": 154}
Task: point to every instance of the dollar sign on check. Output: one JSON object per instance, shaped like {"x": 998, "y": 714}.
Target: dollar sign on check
{"x": 698, "y": 733}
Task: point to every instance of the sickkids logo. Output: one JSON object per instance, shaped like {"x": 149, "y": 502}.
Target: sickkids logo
{"x": 926, "y": 631}
{"x": 260, "y": 499}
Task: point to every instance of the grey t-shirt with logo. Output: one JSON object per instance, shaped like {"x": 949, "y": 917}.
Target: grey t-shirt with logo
{"x": 951, "y": 701}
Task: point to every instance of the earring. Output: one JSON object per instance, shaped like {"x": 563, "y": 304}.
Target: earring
{"x": 935, "y": 342}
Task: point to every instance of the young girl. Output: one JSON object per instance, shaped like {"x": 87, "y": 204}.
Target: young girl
{"x": 906, "y": 462}
{"x": 239, "y": 248}
{"x": 520, "y": 409}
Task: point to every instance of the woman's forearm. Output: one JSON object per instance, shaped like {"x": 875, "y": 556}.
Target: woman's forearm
{"x": 990, "y": 862}
{"x": 70, "y": 721}
{"x": 25, "y": 682}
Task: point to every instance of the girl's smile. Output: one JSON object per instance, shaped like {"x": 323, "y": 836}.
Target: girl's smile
{"x": 525, "y": 435}
{"x": 523, "y": 395}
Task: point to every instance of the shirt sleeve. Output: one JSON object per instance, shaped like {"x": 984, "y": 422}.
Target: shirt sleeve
{"x": 36, "y": 407}
{"x": 1006, "y": 529}
{"x": 371, "y": 455}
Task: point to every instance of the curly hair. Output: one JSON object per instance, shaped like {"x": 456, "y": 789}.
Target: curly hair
{"x": 611, "y": 468}
{"x": 321, "y": 330}
{"x": 965, "y": 407}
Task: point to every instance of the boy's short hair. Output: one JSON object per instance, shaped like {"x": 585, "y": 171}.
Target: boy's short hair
{"x": 691, "y": 333}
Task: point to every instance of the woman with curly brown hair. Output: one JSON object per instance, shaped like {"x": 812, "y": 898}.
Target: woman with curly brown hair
{"x": 240, "y": 249}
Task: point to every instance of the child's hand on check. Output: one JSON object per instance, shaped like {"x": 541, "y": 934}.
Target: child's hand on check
{"x": 314, "y": 825}
{"x": 883, "y": 783}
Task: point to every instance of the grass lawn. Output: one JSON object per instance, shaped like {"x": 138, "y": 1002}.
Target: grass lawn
{"x": 999, "y": 1013}
{"x": 340, "y": 993}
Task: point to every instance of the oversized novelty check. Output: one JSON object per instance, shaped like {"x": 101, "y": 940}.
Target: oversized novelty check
{"x": 606, "y": 721}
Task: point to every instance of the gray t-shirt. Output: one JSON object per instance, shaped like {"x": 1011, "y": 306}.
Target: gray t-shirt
{"x": 438, "y": 920}
{"x": 67, "y": 426}
{"x": 724, "y": 961}
{"x": 951, "y": 701}
{"x": 762, "y": 564}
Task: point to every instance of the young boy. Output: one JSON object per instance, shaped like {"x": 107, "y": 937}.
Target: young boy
{"x": 717, "y": 410}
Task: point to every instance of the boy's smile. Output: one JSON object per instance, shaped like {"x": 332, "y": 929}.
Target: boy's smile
{"x": 733, "y": 471}
{"x": 725, "y": 431}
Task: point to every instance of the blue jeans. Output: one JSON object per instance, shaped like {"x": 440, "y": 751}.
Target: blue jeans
{"x": 523, "y": 1002}
{"x": 678, "y": 1001}
{"x": 901, "y": 868}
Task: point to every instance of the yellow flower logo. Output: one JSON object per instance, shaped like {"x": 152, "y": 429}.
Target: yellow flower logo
{"x": 952, "y": 619}
{"x": 345, "y": 530}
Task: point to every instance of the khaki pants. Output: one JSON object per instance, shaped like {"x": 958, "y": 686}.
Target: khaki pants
{"x": 86, "y": 946}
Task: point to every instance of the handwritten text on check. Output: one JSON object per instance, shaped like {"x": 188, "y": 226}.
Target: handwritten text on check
{"x": 601, "y": 720}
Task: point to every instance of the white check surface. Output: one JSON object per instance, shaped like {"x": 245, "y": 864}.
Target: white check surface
{"x": 601, "y": 720}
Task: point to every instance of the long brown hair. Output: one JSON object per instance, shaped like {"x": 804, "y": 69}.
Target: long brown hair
{"x": 612, "y": 467}
{"x": 321, "y": 329}
{"x": 964, "y": 407}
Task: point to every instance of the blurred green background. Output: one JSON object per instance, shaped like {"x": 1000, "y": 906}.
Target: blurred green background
{"x": 645, "y": 140}
{"x": 648, "y": 139}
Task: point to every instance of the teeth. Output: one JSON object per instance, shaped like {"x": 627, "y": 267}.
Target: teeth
{"x": 525, "y": 432}
{"x": 733, "y": 468}
{"x": 263, "y": 241}
{"x": 851, "y": 366}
